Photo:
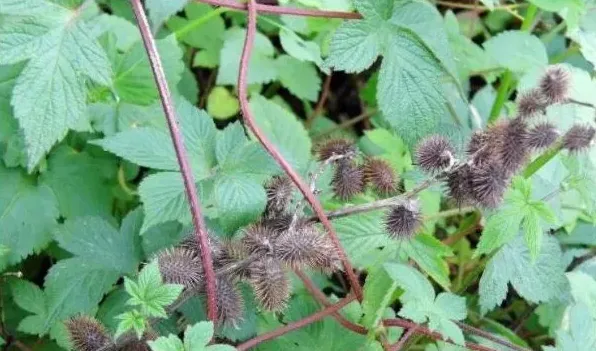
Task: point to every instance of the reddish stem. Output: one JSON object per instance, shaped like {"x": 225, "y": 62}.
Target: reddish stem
{"x": 482, "y": 333}
{"x": 322, "y": 299}
{"x": 296, "y": 325}
{"x": 324, "y": 94}
{"x": 283, "y": 10}
{"x": 181, "y": 155}
{"x": 404, "y": 339}
{"x": 272, "y": 150}
{"x": 423, "y": 330}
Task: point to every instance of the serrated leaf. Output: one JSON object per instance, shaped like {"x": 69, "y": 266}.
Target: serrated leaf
{"x": 99, "y": 243}
{"x": 150, "y": 293}
{"x": 167, "y": 343}
{"x": 28, "y": 296}
{"x": 300, "y": 78}
{"x": 517, "y": 51}
{"x": 261, "y": 68}
{"x": 112, "y": 306}
{"x": 196, "y": 337}
{"x": 23, "y": 234}
{"x": 228, "y": 140}
{"x": 419, "y": 302}
{"x": 75, "y": 286}
{"x": 580, "y": 334}
{"x": 409, "y": 90}
{"x": 159, "y": 10}
{"x": 49, "y": 96}
{"x": 375, "y": 9}
{"x": 239, "y": 200}
{"x": 585, "y": 33}
{"x": 283, "y": 129}
{"x": 537, "y": 280}
{"x": 300, "y": 49}
{"x": 378, "y": 291}
{"x": 80, "y": 182}
{"x": 130, "y": 320}
{"x": 354, "y": 47}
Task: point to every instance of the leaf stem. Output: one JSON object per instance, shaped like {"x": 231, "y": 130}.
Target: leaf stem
{"x": 543, "y": 159}
{"x": 181, "y": 156}
{"x": 322, "y": 100}
{"x": 194, "y": 24}
{"x": 277, "y": 156}
{"x": 507, "y": 78}
{"x": 486, "y": 335}
{"x": 350, "y": 122}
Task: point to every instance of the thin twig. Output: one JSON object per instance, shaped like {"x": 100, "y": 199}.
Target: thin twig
{"x": 404, "y": 339}
{"x": 296, "y": 325}
{"x": 486, "y": 335}
{"x": 350, "y": 122}
{"x": 425, "y": 331}
{"x": 475, "y": 7}
{"x": 322, "y": 299}
{"x": 581, "y": 103}
{"x": 272, "y": 150}
{"x": 324, "y": 94}
{"x": 279, "y": 10}
{"x": 181, "y": 155}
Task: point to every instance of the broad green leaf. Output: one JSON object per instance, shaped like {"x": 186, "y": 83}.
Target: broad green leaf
{"x": 203, "y": 28}
{"x": 99, "y": 243}
{"x": 299, "y": 48}
{"x": 517, "y": 51}
{"x": 111, "y": 307}
{"x": 251, "y": 160}
{"x": 159, "y": 11}
{"x": 229, "y": 140}
{"x": 585, "y": 34}
{"x": 80, "y": 182}
{"x": 283, "y": 129}
{"x": 355, "y": 46}
{"x": 536, "y": 280}
{"x": 75, "y": 286}
{"x": 28, "y": 296}
{"x": 221, "y": 104}
{"x": 378, "y": 293}
{"x": 239, "y": 200}
{"x": 429, "y": 252}
{"x": 300, "y": 78}
{"x": 409, "y": 90}
{"x": 261, "y": 68}
{"x": 555, "y": 5}
{"x": 49, "y": 95}
{"x": 133, "y": 80}
{"x": 579, "y": 334}
{"x": 131, "y": 320}
{"x": 419, "y": 303}
{"x": 376, "y": 10}
{"x": 196, "y": 337}
{"x": 27, "y": 215}
{"x": 167, "y": 343}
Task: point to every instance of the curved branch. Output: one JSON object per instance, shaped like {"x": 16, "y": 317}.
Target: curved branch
{"x": 283, "y": 10}
{"x": 272, "y": 150}
{"x": 296, "y": 325}
{"x": 181, "y": 156}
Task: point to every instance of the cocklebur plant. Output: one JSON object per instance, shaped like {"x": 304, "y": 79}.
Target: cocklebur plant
{"x": 342, "y": 200}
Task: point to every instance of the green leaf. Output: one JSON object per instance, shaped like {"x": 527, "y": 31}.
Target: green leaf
{"x": 196, "y": 337}
{"x": 229, "y": 140}
{"x": 585, "y": 33}
{"x": 27, "y": 215}
{"x": 378, "y": 293}
{"x": 354, "y": 47}
{"x": 283, "y": 130}
{"x": 579, "y": 334}
{"x": 73, "y": 286}
{"x": 517, "y": 51}
{"x": 28, "y": 296}
{"x": 159, "y": 11}
{"x": 261, "y": 68}
{"x": 99, "y": 243}
{"x": 554, "y": 5}
{"x": 537, "y": 280}
{"x": 239, "y": 200}
{"x": 221, "y": 104}
{"x": 167, "y": 343}
{"x": 134, "y": 82}
{"x": 131, "y": 320}
{"x": 419, "y": 302}
{"x": 111, "y": 307}
{"x": 375, "y": 9}
{"x": 410, "y": 93}
{"x": 300, "y": 78}
{"x": 150, "y": 293}
{"x": 80, "y": 182}
{"x": 203, "y": 28}
{"x": 49, "y": 96}
{"x": 300, "y": 49}
{"x": 153, "y": 148}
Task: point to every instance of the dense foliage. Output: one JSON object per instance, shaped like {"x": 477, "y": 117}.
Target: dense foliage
{"x": 449, "y": 142}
